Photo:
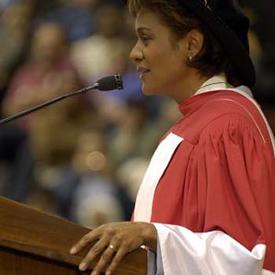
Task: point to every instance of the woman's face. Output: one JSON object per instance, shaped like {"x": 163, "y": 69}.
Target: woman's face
{"x": 160, "y": 62}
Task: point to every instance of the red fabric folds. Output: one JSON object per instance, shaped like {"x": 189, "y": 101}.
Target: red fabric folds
{"x": 222, "y": 177}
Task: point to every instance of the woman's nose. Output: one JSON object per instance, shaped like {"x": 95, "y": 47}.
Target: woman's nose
{"x": 136, "y": 54}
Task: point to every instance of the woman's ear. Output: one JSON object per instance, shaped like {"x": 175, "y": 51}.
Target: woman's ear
{"x": 193, "y": 43}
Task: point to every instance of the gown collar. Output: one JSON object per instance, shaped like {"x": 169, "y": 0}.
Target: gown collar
{"x": 215, "y": 83}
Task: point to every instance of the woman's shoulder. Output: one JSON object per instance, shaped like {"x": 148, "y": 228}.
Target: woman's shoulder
{"x": 224, "y": 111}
{"x": 229, "y": 101}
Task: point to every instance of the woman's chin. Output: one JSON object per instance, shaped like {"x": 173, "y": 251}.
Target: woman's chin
{"x": 149, "y": 90}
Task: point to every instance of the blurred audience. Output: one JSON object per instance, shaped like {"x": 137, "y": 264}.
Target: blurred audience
{"x": 48, "y": 71}
{"x": 263, "y": 21}
{"x": 15, "y": 24}
{"x": 76, "y": 17}
{"x": 134, "y": 135}
{"x": 104, "y": 52}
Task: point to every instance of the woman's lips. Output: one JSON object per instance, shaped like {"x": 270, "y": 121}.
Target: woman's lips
{"x": 142, "y": 72}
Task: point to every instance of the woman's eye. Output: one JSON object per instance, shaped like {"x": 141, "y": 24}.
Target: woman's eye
{"x": 145, "y": 39}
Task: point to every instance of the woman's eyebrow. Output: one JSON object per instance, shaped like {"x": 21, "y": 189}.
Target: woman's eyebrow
{"x": 141, "y": 30}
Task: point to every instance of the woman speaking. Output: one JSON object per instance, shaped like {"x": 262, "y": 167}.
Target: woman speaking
{"x": 206, "y": 204}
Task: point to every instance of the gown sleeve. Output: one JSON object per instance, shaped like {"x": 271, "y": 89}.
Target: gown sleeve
{"x": 233, "y": 167}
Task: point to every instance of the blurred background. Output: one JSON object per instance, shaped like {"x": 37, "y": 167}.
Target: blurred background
{"x": 84, "y": 158}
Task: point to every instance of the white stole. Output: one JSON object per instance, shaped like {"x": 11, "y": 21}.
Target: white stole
{"x": 155, "y": 170}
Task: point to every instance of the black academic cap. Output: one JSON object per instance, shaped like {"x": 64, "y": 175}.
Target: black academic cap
{"x": 230, "y": 26}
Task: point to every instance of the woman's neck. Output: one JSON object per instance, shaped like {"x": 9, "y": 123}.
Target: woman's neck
{"x": 188, "y": 86}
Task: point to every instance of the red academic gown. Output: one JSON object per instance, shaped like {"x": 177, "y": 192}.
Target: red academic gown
{"x": 220, "y": 178}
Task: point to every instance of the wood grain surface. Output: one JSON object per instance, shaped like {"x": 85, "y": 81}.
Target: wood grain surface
{"x": 33, "y": 239}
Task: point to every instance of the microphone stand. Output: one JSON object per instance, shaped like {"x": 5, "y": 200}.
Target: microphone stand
{"x": 47, "y": 103}
{"x": 104, "y": 84}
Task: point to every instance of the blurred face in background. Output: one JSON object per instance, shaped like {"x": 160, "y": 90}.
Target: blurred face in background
{"x": 16, "y": 18}
{"x": 109, "y": 20}
{"x": 49, "y": 43}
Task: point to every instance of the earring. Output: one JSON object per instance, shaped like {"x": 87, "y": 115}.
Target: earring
{"x": 190, "y": 57}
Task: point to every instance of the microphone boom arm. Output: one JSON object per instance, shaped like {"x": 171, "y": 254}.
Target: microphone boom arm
{"x": 47, "y": 103}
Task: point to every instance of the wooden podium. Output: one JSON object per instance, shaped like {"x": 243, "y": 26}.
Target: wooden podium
{"x": 36, "y": 243}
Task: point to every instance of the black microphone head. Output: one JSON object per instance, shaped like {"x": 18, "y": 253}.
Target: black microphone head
{"x": 109, "y": 83}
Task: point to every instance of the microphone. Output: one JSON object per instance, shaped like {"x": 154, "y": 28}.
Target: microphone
{"x": 108, "y": 83}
